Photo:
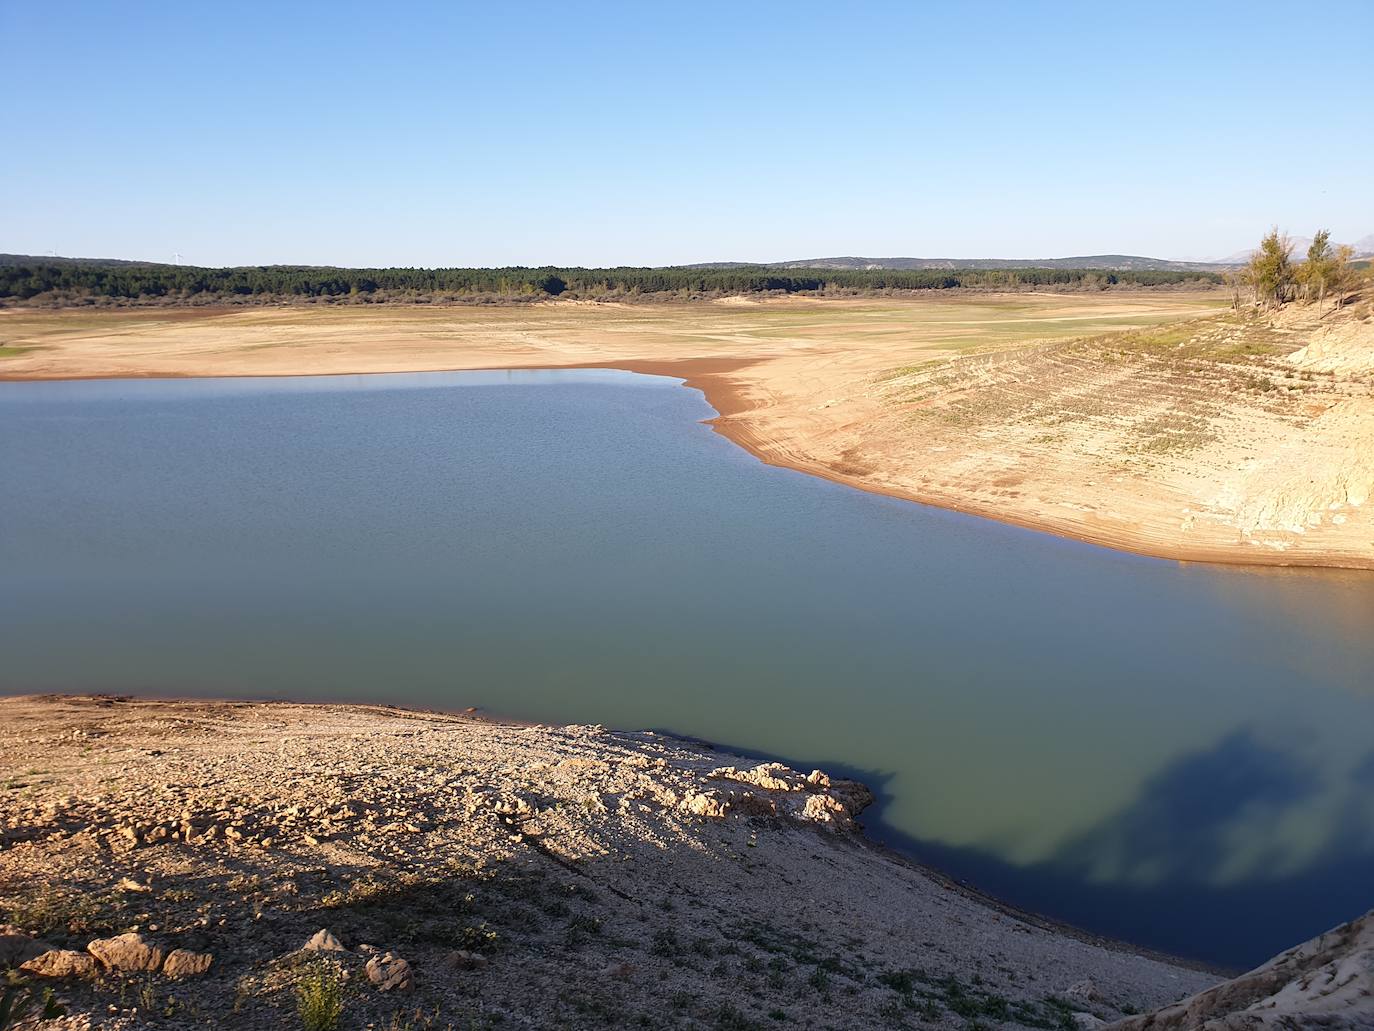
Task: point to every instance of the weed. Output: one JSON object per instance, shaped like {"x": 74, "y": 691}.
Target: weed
{"x": 23, "y": 1003}
{"x": 729, "y": 1018}
{"x": 666, "y": 944}
{"x": 319, "y": 997}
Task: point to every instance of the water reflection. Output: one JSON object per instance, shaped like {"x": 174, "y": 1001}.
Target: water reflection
{"x": 1177, "y": 755}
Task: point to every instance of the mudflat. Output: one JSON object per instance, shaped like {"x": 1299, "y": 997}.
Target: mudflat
{"x": 1156, "y": 422}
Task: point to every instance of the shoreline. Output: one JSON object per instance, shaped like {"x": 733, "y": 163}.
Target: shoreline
{"x": 710, "y": 377}
{"x": 629, "y": 814}
{"x": 965, "y": 889}
{"x": 1158, "y": 425}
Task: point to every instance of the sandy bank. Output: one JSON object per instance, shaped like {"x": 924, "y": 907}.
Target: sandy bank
{"x": 589, "y": 878}
{"x": 1222, "y": 441}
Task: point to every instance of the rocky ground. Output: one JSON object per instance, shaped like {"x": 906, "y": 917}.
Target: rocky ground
{"x": 179, "y": 864}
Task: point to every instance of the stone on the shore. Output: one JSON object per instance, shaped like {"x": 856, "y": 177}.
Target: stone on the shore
{"x": 323, "y": 940}
{"x": 16, "y": 947}
{"x": 60, "y": 963}
{"x": 389, "y": 972}
{"x": 706, "y": 803}
{"x": 126, "y": 952}
{"x": 462, "y": 959}
{"x": 185, "y": 963}
{"x": 1083, "y": 991}
{"x": 772, "y": 776}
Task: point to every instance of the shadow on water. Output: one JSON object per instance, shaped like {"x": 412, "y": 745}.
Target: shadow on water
{"x": 1158, "y": 851}
{"x": 1174, "y": 755}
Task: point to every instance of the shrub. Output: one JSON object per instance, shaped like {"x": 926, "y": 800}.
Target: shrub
{"x": 319, "y": 998}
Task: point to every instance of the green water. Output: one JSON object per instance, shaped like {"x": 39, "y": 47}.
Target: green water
{"x": 1182, "y": 756}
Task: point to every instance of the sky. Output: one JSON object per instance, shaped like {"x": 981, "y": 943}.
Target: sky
{"x": 453, "y": 134}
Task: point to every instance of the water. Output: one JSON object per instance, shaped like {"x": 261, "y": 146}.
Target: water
{"x": 1182, "y": 756}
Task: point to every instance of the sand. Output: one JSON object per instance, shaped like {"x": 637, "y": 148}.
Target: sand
{"x": 1230, "y": 439}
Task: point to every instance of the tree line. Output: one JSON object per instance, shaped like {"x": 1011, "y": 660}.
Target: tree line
{"x": 1273, "y": 278}
{"x": 74, "y": 281}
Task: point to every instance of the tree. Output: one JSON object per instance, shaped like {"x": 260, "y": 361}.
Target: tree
{"x": 1315, "y": 273}
{"x": 1270, "y": 270}
{"x": 1343, "y": 277}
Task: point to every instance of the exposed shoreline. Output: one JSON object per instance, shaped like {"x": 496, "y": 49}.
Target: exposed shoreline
{"x": 710, "y": 377}
{"x": 737, "y": 834}
{"x": 773, "y": 396}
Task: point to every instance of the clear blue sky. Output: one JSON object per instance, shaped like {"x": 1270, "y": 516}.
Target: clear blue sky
{"x": 532, "y": 133}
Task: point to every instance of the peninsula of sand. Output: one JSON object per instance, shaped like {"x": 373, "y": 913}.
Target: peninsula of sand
{"x": 1158, "y": 422}
{"x": 187, "y": 864}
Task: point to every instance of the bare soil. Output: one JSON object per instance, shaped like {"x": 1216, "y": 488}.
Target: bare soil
{"x": 528, "y": 876}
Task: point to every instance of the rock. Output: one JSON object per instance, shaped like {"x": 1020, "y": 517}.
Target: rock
{"x": 824, "y": 809}
{"x": 60, "y": 963}
{"x": 185, "y": 963}
{"x": 1086, "y": 1021}
{"x": 1083, "y": 991}
{"x": 706, "y": 803}
{"x": 462, "y": 959}
{"x": 750, "y": 804}
{"x": 323, "y": 941}
{"x": 772, "y": 776}
{"x": 389, "y": 972}
{"x": 16, "y": 947}
{"x": 126, "y": 952}
{"x": 1327, "y": 983}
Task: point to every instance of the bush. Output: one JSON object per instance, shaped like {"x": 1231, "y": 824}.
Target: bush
{"x": 319, "y": 998}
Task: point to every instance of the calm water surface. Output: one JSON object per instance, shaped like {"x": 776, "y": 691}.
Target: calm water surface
{"x": 1182, "y": 756}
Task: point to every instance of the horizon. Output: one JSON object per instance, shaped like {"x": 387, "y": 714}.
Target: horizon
{"x": 617, "y": 138}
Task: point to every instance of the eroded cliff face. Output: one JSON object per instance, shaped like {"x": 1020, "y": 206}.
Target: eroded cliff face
{"x": 1326, "y": 983}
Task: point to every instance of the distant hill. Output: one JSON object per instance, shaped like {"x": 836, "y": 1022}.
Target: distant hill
{"x": 1364, "y": 248}
{"x": 1105, "y": 262}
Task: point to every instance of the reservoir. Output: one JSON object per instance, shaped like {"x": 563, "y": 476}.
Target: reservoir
{"x": 1181, "y": 756}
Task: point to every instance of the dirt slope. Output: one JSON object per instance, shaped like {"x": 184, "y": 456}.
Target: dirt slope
{"x": 525, "y": 876}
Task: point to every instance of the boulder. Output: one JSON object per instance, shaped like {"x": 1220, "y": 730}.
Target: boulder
{"x": 462, "y": 959}
{"x": 1327, "y": 982}
{"x": 771, "y": 776}
{"x": 185, "y": 963}
{"x": 706, "y": 803}
{"x": 389, "y": 972}
{"x": 60, "y": 963}
{"x": 126, "y": 952}
{"x": 323, "y": 940}
{"x": 16, "y": 947}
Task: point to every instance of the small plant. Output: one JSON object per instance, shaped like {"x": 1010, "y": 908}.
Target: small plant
{"x": 478, "y": 937}
{"x": 666, "y": 944}
{"x": 319, "y": 998}
{"x": 21, "y": 1002}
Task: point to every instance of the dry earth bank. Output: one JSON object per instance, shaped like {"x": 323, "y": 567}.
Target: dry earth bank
{"x": 1148, "y": 422}
{"x": 164, "y": 863}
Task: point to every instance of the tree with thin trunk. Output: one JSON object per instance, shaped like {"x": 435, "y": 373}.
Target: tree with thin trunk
{"x": 1315, "y": 273}
{"x": 1342, "y": 274}
{"x": 1270, "y": 270}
